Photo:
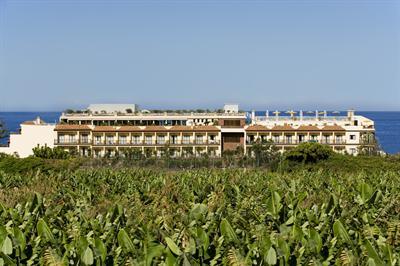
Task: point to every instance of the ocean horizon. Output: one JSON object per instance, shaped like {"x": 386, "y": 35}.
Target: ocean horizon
{"x": 387, "y": 124}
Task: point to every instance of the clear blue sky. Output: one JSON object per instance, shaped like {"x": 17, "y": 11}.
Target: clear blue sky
{"x": 180, "y": 54}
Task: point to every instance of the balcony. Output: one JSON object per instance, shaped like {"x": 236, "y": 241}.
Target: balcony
{"x": 133, "y": 143}
{"x": 66, "y": 142}
{"x": 85, "y": 141}
{"x": 295, "y": 142}
{"x": 174, "y": 142}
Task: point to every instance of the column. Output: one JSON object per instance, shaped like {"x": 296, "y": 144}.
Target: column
{"x": 245, "y": 143}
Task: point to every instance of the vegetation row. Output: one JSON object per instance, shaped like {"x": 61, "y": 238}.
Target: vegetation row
{"x": 130, "y": 216}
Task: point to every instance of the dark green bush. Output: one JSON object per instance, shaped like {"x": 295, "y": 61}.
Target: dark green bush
{"x": 17, "y": 165}
{"x": 50, "y": 153}
{"x": 309, "y": 152}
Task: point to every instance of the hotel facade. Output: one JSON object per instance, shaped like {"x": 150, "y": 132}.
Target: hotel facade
{"x": 108, "y": 130}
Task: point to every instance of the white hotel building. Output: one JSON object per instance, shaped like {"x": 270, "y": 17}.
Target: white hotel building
{"x": 108, "y": 129}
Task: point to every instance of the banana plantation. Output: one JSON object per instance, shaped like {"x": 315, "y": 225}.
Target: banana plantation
{"x": 199, "y": 217}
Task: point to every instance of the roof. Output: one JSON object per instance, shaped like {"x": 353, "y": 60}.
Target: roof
{"x": 155, "y": 128}
{"x": 205, "y": 128}
{"x": 128, "y": 128}
{"x": 37, "y": 121}
{"x": 60, "y": 127}
{"x": 333, "y": 128}
{"x": 257, "y": 128}
{"x": 308, "y": 128}
{"x": 282, "y": 128}
{"x": 105, "y": 128}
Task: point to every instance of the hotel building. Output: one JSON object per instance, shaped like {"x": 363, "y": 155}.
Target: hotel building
{"x": 107, "y": 130}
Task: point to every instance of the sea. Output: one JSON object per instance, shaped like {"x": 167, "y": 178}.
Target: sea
{"x": 387, "y": 124}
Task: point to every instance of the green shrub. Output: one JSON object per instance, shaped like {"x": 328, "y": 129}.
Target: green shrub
{"x": 17, "y": 165}
{"x": 50, "y": 153}
{"x": 309, "y": 152}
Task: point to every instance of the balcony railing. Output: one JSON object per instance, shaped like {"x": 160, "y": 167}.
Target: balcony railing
{"x": 85, "y": 141}
{"x": 133, "y": 143}
{"x": 137, "y": 115}
{"x": 66, "y": 142}
{"x": 295, "y": 142}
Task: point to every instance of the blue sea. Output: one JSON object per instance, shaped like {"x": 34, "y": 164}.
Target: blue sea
{"x": 387, "y": 125}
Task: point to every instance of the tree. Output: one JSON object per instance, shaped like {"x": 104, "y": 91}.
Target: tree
{"x": 369, "y": 145}
{"x": 228, "y": 158}
{"x": 309, "y": 152}
{"x": 50, "y": 153}
{"x": 264, "y": 151}
{"x": 69, "y": 111}
{"x": 148, "y": 152}
{"x": 133, "y": 153}
{"x": 3, "y": 130}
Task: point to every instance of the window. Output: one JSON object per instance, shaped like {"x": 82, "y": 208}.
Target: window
{"x": 352, "y": 137}
{"x": 135, "y": 139}
{"x": 232, "y": 123}
{"x": 174, "y": 139}
{"x": 71, "y": 139}
{"x": 325, "y": 139}
{"x": 199, "y": 139}
{"x": 84, "y": 138}
{"x": 212, "y": 139}
{"x": 276, "y": 138}
{"x": 186, "y": 139}
{"x": 61, "y": 138}
{"x": 212, "y": 152}
{"x": 160, "y": 139}
{"x": 175, "y": 153}
{"x": 149, "y": 140}
{"x": 302, "y": 138}
{"x": 289, "y": 139}
{"x": 122, "y": 139}
{"x": 97, "y": 140}
{"x": 110, "y": 140}
{"x": 339, "y": 139}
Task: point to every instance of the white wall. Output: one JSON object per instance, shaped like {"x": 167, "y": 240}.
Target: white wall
{"x": 231, "y": 108}
{"x": 30, "y": 137}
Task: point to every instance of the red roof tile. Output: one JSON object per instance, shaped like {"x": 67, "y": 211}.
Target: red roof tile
{"x": 308, "y": 128}
{"x": 257, "y": 128}
{"x": 333, "y": 128}
{"x": 66, "y": 127}
{"x": 282, "y": 128}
